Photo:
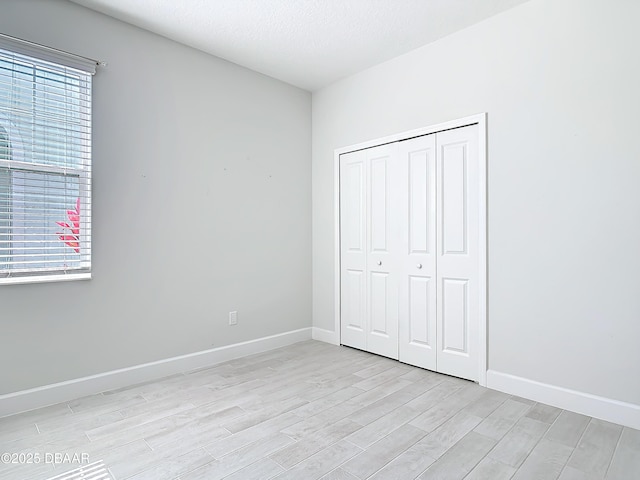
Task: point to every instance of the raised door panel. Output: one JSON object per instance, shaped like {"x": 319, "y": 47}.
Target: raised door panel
{"x": 353, "y": 199}
{"x": 417, "y": 289}
{"x": 353, "y": 275}
{"x": 382, "y": 250}
{"x": 379, "y": 166}
{"x": 455, "y": 316}
{"x": 457, "y": 251}
{"x": 454, "y": 198}
{"x": 353, "y": 301}
{"x": 421, "y": 319}
{"x": 379, "y": 304}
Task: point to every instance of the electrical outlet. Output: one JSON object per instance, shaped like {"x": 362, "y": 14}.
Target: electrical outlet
{"x": 233, "y": 318}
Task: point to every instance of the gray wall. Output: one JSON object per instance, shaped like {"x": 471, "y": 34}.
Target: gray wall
{"x": 560, "y": 82}
{"x": 201, "y": 206}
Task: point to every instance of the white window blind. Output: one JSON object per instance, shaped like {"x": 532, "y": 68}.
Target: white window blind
{"x": 45, "y": 163}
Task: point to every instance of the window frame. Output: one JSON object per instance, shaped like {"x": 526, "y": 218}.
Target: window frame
{"x": 87, "y": 67}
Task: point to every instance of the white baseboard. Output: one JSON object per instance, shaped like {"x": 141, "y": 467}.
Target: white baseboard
{"x": 614, "y": 411}
{"x": 65, "y": 391}
{"x": 326, "y": 336}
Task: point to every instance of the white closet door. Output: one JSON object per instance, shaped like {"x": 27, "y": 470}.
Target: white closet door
{"x": 353, "y": 275}
{"x": 458, "y": 251}
{"x": 382, "y": 249}
{"x": 369, "y": 250}
{"x": 417, "y": 324}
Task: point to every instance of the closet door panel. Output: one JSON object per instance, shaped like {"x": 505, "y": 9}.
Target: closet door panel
{"x": 457, "y": 251}
{"x": 353, "y": 307}
{"x": 421, "y": 318}
{"x": 417, "y": 292}
{"x": 379, "y": 166}
{"x": 455, "y": 316}
{"x": 379, "y": 304}
{"x": 382, "y": 250}
{"x": 353, "y": 275}
{"x": 454, "y": 192}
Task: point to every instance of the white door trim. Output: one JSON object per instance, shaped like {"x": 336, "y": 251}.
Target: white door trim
{"x": 479, "y": 119}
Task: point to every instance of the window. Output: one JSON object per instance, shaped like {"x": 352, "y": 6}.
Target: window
{"x": 45, "y": 163}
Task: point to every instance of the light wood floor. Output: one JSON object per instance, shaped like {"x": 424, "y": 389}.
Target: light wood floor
{"x": 311, "y": 411}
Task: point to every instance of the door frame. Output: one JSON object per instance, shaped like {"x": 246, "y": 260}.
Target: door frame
{"x": 479, "y": 119}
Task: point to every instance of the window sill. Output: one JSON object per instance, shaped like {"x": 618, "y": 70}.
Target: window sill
{"x": 45, "y": 278}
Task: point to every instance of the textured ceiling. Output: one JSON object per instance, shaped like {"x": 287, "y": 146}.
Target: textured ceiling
{"x": 308, "y": 43}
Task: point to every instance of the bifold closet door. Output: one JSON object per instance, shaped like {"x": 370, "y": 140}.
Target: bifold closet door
{"x": 439, "y": 273}
{"x": 369, "y": 249}
{"x": 353, "y": 255}
{"x": 417, "y": 305}
{"x": 457, "y": 245}
{"x": 409, "y": 233}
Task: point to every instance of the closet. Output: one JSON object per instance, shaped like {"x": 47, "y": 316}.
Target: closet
{"x": 409, "y": 250}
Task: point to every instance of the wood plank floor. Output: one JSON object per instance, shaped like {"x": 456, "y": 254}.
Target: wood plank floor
{"x": 311, "y": 411}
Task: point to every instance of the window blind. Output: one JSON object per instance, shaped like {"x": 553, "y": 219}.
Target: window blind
{"x": 45, "y": 163}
